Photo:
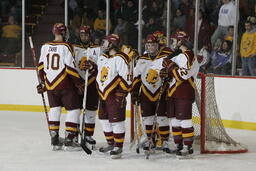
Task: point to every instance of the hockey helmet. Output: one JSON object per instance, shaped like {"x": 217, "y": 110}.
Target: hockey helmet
{"x": 59, "y": 29}
{"x": 110, "y": 41}
{"x": 85, "y": 29}
{"x": 179, "y": 38}
{"x": 151, "y": 44}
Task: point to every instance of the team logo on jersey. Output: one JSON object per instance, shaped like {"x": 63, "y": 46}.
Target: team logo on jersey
{"x": 81, "y": 62}
{"x": 104, "y": 75}
{"x": 152, "y": 77}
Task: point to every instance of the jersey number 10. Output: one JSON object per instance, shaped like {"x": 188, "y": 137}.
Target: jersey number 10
{"x": 53, "y": 60}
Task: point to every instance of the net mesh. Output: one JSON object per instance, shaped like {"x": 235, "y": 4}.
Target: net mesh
{"x": 216, "y": 139}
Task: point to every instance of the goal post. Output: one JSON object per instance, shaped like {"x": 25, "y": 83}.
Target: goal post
{"x": 209, "y": 130}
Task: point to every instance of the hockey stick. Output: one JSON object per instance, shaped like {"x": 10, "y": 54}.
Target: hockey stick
{"x": 83, "y": 142}
{"x": 162, "y": 88}
{"x": 39, "y": 80}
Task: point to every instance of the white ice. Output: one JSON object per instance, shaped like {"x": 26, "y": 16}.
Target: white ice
{"x": 25, "y": 146}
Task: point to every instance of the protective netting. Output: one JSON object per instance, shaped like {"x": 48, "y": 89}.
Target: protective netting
{"x": 210, "y": 131}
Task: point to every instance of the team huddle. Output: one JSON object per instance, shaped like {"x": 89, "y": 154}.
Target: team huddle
{"x": 93, "y": 78}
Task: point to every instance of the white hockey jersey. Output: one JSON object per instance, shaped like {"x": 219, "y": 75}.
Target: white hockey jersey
{"x": 56, "y": 65}
{"x": 182, "y": 84}
{"x": 147, "y": 72}
{"x": 91, "y": 53}
{"x": 113, "y": 72}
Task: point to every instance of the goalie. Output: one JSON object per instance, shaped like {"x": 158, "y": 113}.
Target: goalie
{"x": 146, "y": 79}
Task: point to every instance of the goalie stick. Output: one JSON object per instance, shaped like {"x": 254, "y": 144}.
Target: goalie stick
{"x": 83, "y": 142}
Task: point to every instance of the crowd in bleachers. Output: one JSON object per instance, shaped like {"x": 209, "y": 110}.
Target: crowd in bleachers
{"x": 11, "y": 26}
{"x": 215, "y": 34}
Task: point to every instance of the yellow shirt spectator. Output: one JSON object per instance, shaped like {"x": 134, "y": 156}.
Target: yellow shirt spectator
{"x": 248, "y": 44}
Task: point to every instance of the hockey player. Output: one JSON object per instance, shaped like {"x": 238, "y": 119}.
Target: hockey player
{"x": 63, "y": 84}
{"x": 113, "y": 85}
{"x": 86, "y": 54}
{"x": 146, "y": 78}
{"x": 181, "y": 70}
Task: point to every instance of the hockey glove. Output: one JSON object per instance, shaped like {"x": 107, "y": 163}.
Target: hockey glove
{"x": 41, "y": 88}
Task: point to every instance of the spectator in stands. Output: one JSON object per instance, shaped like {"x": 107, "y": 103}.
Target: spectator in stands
{"x": 221, "y": 59}
{"x": 74, "y": 30}
{"x": 150, "y": 27}
{"x": 226, "y": 18}
{"x": 87, "y": 17}
{"x": 100, "y": 23}
{"x": 129, "y": 11}
{"x": 4, "y": 7}
{"x": 204, "y": 34}
{"x": 120, "y": 28}
{"x": 179, "y": 20}
{"x": 230, "y": 34}
{"x": 152, "y": 10}
{"x": 10, "y": 42}
{"x": 248, "y": 50}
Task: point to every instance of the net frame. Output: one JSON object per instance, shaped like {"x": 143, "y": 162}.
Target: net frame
{"x": 213, "y": 136}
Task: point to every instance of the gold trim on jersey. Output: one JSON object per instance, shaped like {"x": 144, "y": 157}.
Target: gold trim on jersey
{"x": 149, "y": 95}
{"x": 119, "y": 140}
{"x": 124, "y": 85}
{"x": 172, "y": 89}
{"x": 56, "y": 83}
{"x": 73, "y": 73}
{"x": 113, "y": 85}
{"x": 135, "y": 81}
{"x": 40, "y": 67}
{"x": 91, "y": 80}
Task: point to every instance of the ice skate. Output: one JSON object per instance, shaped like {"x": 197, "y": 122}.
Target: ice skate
{"x": 71, "y": 143}
{"x": 185, "y": 152}
{"x": 56, "y": 141}
{"x": 90, "y": 141}
{"x": 116, "y": 153}
{"x": 106, "y": 149}
{"x": 166, "y": 148}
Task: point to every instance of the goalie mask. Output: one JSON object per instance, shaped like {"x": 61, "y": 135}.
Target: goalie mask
{"x": 177, "y": 39}
{"x": 151, "y": 44}
{"x": 85, "y": 34}
{"x": 59, "y": 29}
{"x": 110, "y": 41}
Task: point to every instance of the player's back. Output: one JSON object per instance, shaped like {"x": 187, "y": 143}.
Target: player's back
{"x": 57, "y": 59}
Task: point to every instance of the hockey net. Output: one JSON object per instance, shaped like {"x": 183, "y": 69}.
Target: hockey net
{"x": 209, "y": 129}
{"x": 210, "y": 133}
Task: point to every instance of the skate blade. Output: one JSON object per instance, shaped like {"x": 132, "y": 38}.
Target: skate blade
{"x": 118, "y": 156}
{"x": 56, "y": 148}
{"x": 184, "y": 156}
{"x": 70, "y": 148}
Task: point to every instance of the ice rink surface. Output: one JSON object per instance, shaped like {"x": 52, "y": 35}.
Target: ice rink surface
{"x": 25, "y": 146}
